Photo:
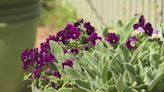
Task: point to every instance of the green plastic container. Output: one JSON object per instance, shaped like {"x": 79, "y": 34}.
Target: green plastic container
{"x": 18, "y": 22}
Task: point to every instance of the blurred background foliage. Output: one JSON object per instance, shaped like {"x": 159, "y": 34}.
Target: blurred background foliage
{"x": 57, "y": 13}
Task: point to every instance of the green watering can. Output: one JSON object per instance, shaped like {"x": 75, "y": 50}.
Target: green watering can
{"x": 18, "y": 22}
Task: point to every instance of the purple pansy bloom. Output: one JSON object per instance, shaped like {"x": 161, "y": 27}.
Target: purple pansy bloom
{"x": 54, "y": 85}
{"x": 36, "y": 72}
{"x": 29, "y": 56}
{"x": 74, "y": 33}
{"x": 131, "y": 42}
{"x": 40, "y": 64}
{"x": 57, "y": 74}
{"x": 156, "y": 34}
{"x": 64, "y": 50}
{"x": 67, "y": 63}
{"x": 89, "y": 29}
{"x": 51, "y": 37}
{"x": 45, "y": 47}
{"x": 74, "y": 51}
{"x": 142, "y": 20}
{"x": 45, "y": 53}
{"x": 60, "y": 35}
{"x": 85, "y": 47}
{"x": 93, "y": 37}
{"x": 140, "y": 24}
{"x": 148, "y": 29}
{"x": 112, "y": 38}
{"x": 68, "y": 27}
{"x": 49, "y": 57}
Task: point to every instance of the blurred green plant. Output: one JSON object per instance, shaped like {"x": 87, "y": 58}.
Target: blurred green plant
{"x": 57, "y": 13}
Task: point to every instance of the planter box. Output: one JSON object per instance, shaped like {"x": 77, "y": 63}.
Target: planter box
{"x": 18, "y": 21}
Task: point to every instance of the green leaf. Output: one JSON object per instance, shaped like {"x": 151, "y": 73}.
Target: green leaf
{"x": 123, "y": 53}
{"x": 105, "y": 73}
{"x": 111, "y": 82}
{"x": 91, "y": 60}
{"x": 105, "y": 31}
{"x": 161, "y": 65}
{"x": 130, "y": 68}
{"x": 120, "y": 84}
{"x": 154, "y": 59}
{"x": 114, "y": 71}
{"x": 157, "y": 76}
{"x": 56, "y": 49}
{"x": 50, "y": 90}
{"x": 162, "y": 31}
{"x": 112, "y": 88}
{"x": 65, "y": 90}
{"x": 73, "y": 73}
{"x": 83, "y": 84}
{"x": 100, "y": 47}
{"x": 128, "y": 29}
{"x": 79, "y": 89}
{"x": 159, "y": 87}
{"x": 27, "y": 76}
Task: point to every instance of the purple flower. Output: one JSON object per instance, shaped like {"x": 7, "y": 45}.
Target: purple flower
{"x": 51, "y": 37}
{"x": 93, "y": 37}
{"x": 112, "y": 38}
{"x": 54, "y": 85}
{"x": 29, "y": 56}
{"x": 57, "y": 74}
{"x": 67, "y": 63}
{"x": 45, "y": 47}
{"x": 85, "y": 47}
{"x": 68, "y": 27}
{"x": 60, "y": 35}
{"x": 89, "y": 29}
{"x": 74, "y": 33}
{"x": 148, "y": 29}
{"x": 141, "y": 23}
{"x": 156, "y": 34}
{"x": 64, "y": 50}
{"x": 74, "y": 51}
{"x": 70, "y": 32}
{"x": 45, "y": 53}
{"x": 49, "y": 57}
{"x": 79, "y": 22}
{"x": 142, "y": 20}
{"x": 36, "y": 72}
{"x": 40, "y": 64}
{"x": 131, "y": 42}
